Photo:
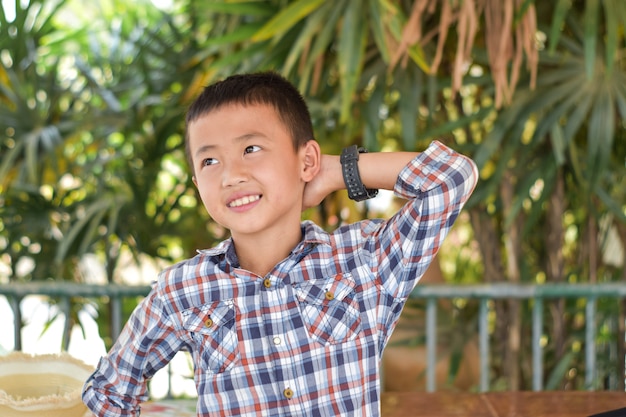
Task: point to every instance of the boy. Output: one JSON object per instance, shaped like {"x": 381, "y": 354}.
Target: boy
{"x": 282, "y": 318}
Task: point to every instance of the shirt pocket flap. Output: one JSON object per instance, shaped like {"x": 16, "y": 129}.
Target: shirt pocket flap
{"x": 209, "y": 318}
{"x": 323, "y": 291}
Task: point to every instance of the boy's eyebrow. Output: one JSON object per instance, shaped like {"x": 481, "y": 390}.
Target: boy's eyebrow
{"x": 242, "y": 138}
{"x": 204, "y": 148}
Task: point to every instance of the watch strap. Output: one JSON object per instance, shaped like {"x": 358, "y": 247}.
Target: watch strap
{"x": 351, "y": 176}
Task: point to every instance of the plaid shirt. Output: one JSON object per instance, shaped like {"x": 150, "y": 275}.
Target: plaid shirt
{"x": 305, "y": 340}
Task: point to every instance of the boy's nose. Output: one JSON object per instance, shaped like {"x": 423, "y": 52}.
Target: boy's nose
{"x": 234, "y": 174}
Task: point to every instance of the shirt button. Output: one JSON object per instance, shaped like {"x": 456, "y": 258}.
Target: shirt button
{"x": 277, "y": 340}
{"x": 288, "y": 393}
{"x": 208, "y": 322}
{"x": 267, "y": 283}
{"x": 329, "y": 295}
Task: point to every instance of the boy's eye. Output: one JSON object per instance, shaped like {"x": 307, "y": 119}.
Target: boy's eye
{"x": 208, "y": 161}
{"x": 252, "y": 148}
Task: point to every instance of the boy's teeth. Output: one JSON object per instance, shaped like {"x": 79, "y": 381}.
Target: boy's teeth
{"x": 244, "y": 200}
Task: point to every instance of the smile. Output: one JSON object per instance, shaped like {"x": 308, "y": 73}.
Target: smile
{"x": 244, "y": 200}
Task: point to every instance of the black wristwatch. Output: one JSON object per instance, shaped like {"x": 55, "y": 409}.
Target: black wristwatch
{"x": 351, "y": 177}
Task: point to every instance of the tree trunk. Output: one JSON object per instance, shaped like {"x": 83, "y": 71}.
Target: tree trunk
{"x": 487, "y": 236}
{"x": 555, "y": 262}
{"x": 512, "y": 247}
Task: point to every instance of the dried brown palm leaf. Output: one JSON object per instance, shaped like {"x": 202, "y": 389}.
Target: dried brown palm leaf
{"x": 507, "y": 42}
{"x": 498, "y": 41}
{"x": 445, "y": 21}
{"x": 504, "y": 50}
{"x": 529, "y": 25}
{"x": 466, "y": 32}
{"x": 317, "y": 73}
{"x": 411, "y": 33}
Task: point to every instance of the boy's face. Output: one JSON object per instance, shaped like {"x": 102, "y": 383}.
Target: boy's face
{"x": 248, "y": 175}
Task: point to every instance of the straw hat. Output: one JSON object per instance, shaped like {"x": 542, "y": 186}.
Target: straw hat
{"x": 42, "y": 385}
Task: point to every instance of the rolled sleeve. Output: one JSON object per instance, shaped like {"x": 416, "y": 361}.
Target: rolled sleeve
{"x": 147, "y": 343}
{"x": 437, "y": 183}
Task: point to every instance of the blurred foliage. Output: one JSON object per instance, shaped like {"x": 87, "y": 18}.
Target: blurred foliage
{"x": 93, "y": 96}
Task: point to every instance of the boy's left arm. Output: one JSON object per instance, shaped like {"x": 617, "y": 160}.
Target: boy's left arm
{"x": 437, "y": 183}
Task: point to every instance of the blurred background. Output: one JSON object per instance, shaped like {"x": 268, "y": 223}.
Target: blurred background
{"x": 94, "y": 187}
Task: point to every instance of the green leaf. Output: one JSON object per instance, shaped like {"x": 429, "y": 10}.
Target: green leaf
{"x": 600, "y": 136}
{"x": 237, "y": 57}
{"x": 536, "y": 215}
{"x": 614, "y": 206}
{"x": 378, "y": 29}
{"x": 9, "y": 157}
{"x": 326, "y": 36}
{"x": 419, "y": 57}
{"x": 90, "y": 233}
{"x": 243, "y": 33}
{"x": 351, "y": 51}
{"x": 611, "y": 48}
{"x": 491, "y": 143}
{"x": 620, "y": 98}
{"x": 46, "y": 24}
{"x": 560, "y": 370}
{"x": 511, "y": 121}
{"x": 592, "y": 11}
{"x": 560, "y": 12}
{"x": 286, "y": 19}
{"x": 571, "y": 94}
{"x": 315, "y": 23}
{"x": 95, "y": 209}
{"x": 521, "y": 11}
{"x": 544, "y": 172}
{"x": 451, "y": 125}
{"x": 410, "y": 83}
{"x": 254, "y": 8}
{"x": 432, "y": 96}
{"x": 558, "y": 143}
{"x": 577, "y": 117}
{"x": 456, "y": 359}
{"x": 372, "y": 116}
{"x": 48, "y": 323}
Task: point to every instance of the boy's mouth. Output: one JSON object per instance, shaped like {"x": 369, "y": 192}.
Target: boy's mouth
{"x": 244, "y": 200}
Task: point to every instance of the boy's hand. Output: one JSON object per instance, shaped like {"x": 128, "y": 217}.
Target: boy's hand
{"x": 328, "y": 179}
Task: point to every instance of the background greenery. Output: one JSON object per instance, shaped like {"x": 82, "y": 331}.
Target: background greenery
{"x": 92, "y": 102}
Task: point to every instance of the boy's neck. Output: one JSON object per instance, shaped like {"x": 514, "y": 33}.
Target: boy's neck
{"x": 261, "y": 254}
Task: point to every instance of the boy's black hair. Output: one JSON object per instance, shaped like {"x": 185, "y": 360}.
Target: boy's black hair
{"x": 268, "y": 88}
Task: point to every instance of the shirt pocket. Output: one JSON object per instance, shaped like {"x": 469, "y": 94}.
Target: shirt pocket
{"x": 329, "y": 309}
{"x": 214, "y": 332}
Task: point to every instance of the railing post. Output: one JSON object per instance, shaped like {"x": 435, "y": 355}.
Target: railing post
{"x": 431, "y": 343}
{"x": 17, "y": 321}
{"x": 116, "y": 316}
{"x": 590, "y": 343}
{"x": 483, "y": 341}
{"x": 536, "y": 344}
{"x": 67, "y": 327}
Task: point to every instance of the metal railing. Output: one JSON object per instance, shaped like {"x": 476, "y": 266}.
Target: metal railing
{"x": 65, "y": 291}
{"x": 484, "y": 293}
{"x": 538, "y": 294}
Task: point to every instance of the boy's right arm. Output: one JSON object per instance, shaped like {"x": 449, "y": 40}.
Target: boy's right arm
{"x": 146, "y": 344}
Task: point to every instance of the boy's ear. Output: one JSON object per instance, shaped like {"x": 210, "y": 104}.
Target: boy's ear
{"x": 195, "y": 181}
{"x": 311, "y": 160}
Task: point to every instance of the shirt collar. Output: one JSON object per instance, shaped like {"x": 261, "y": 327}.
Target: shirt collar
{"x": 313, "y": 234}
